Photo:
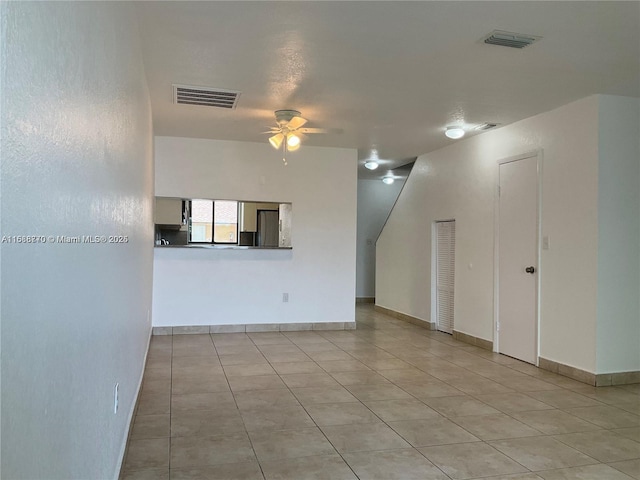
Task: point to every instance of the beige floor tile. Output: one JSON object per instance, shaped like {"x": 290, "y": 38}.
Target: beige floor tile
{"x": 249, "y": 370}
{"x": 147, "y": 453}
{"x": 229, "y": 471}
{"x": 396, "y": 410}
{"x": 186, "y": 362}
{"x": 407, "y": 464}
{"x": 150, "y": 426}
{"x": 256, "y": 400}
{"x": 606, "y": 417}
{"x": 281, "y": 417}
{"x": 290, "y": 368}
{"x": 632, "y": 432}
{"x": 182, "y": 385}
{"x": 188, "y": 452}
{"x": 459, "y": 406}
{"x": 367, "y": 393}
{"x": 314, "y": 395}
{"x": 228, "y": 339}
{"x": 206, "y": 423}
{"x": 255, "y": 382}
{"x": 564, "y": 399}
{"x": 382, "y": 364}
{"x": 237, "y": 349}
{"x": 630, "y": 407}
{"x": 610, "y": 395}
{"x": 158, "y": 386}
{"x": 341, "y": 414}
{"x": 433, "y": 389}
{"x": 590, "y": 472}
{"x": 513, "y": 402}
{"x": 287, "y": 357}
{"x": 495, "y": 427}
{"x": 323, "y": 467}
{"x": 269, "y": 338}
{"x": 528, "y": 384}
{"x": 629, "y": 467}
{"x": 480, "y": 387}
{"x": 410, "y": 375}
{"x": 154, "y": 404}
{"x": 363, "y": 437}
{"x": 604, "y": 446}
{"x": 542, "y": 453}
{"x": 432, "y": 431}
{"x": 280, "y": 348}
{"x": 554, "y": 422}
{"x": 242, "y": 359}
{"x": 517, "y": 476}
{"x": 274, "y": 445}
{"x": 359, "y": 378}
{"x": 147, "y": 474}
{"x": 309, "y": 380}
{"x": 470, "y": 460}
{"x": 218, "y": 401}
{"x": 311, "y": 348}
{"x": 343, "y": 366}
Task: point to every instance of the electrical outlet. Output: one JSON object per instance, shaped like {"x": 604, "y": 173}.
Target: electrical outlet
{"x": 116, "y": 390}
{"x": 285, "y": 297}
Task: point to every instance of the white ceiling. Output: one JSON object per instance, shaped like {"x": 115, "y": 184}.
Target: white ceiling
{"x": 390, "y": 74}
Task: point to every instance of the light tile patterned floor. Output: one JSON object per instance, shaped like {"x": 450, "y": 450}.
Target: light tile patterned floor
{"x": 387, "y": 401}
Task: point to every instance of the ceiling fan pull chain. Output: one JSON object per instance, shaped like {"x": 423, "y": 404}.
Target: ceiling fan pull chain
{"x": 284, "y": 152}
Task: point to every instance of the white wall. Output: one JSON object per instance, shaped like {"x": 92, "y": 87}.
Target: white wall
{"x": 618, "y": 345}
{"x": 76, "y": 160}
{"x": 375, "y": 201}
{"x": 208, "y": 287}
{"x": 459, "y": 182}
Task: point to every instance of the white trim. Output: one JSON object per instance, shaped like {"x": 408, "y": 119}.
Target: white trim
{"x": 538, "y": 154}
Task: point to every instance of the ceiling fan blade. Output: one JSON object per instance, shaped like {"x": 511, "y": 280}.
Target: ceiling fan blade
{"x": 296, "y": 122}
{"x": 276, "y": 140}
{"x": 320, "y": 130}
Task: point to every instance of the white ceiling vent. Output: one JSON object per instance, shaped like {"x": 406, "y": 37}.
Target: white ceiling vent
{"x": 486, "y": 126}
{"x": 207, "y": 96}
{"x": 510, "y": 39}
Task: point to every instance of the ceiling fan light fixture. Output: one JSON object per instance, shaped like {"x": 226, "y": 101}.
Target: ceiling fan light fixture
{"x": 293, "y": 141}
{"x": 388, "y": 180}
{"x": 454, "y": 132}
{"x": 276, "y": 140}
{"x": 371, "y": 165}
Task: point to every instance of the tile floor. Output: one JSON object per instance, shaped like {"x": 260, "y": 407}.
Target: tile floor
{"x": 386, "y": 401}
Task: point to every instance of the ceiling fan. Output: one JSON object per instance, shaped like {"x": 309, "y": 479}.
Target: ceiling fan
{"x": 290, "y": 131}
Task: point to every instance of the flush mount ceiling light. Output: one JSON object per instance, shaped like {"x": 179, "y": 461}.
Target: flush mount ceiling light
{"x": 454, "y": 132}
{"x": 371, "y": 165}
{"x": 388, "y": 180}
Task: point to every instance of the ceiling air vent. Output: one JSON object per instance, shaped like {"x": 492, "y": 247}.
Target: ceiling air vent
{"x": 209, "y": 97}
{"x": 486, "y": 126}
{"x": 510, "y": 39}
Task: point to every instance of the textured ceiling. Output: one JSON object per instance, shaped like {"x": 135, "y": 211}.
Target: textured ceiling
{"x": 391, "y": 75}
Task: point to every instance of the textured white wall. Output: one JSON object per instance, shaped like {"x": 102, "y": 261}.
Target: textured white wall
{"x": 207, "y": 287}
{"x": 375, "y": 200}
{"x": 76, "y": 160}
{"x": 618, "y": 235}
{"x": 459, "y": 182}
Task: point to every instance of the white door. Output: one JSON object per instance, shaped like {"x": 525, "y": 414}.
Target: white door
{"x": 445, "y": 265}
{"x": 517, "y": 259}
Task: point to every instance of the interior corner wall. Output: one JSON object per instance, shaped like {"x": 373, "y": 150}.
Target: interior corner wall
{"x": 77, "y": 160}
{"x": 459, "y": 182}
{"x": 197, "y": 286}
{"x": 618, "y": 338}
{"x": 375, "y": 201}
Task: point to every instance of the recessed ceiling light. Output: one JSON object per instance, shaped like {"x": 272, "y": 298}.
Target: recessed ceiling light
{"x": 388, "y": 180}
{"x": 454, "y": 132}
{"x": 371, "y": 165}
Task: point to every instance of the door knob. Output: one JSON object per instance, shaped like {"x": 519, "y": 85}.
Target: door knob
{"x": 530, "y": 269}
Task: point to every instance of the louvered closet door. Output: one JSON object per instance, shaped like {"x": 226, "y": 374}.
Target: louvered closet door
{"x": 445, "y": 266}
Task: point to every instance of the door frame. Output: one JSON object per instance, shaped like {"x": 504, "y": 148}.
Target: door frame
{"x": 434, "y": 276}
{"x": 538, "y": 154}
